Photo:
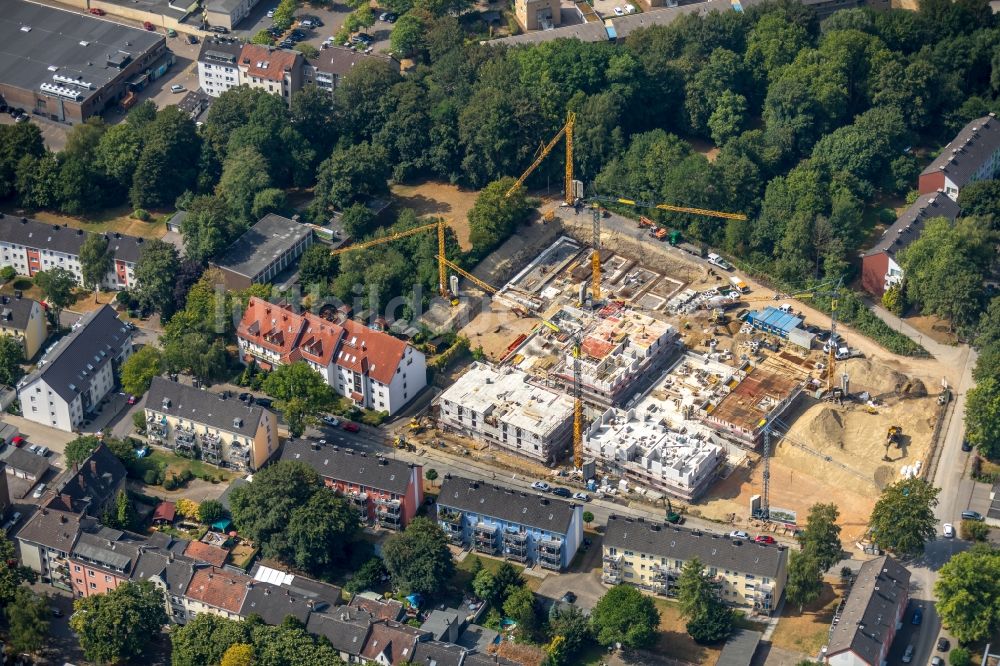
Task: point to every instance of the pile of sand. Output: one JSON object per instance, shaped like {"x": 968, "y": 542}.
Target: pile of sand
{"x": 872, "y": 377}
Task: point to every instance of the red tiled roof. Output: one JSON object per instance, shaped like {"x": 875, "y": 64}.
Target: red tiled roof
{"x": 207, "y": 553}
{"x": 320, "y": 339}
{"x": 267, "y": 62}
{"x": 272, "y": 327}
{"x": 370, "y": 352}
{"x": 165, "y": 511}
{"x": 218, "y": 588}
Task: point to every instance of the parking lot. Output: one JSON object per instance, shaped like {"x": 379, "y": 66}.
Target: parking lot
{"x": 332, "y": 18}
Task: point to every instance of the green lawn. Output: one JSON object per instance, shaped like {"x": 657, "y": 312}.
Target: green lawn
{"x": 172, "y": 463}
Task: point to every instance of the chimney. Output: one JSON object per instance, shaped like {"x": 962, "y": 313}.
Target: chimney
{"x": 93, "y": 466}
{"x": 67, "y": 500}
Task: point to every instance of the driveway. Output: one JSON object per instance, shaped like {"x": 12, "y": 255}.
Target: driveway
{"x": 584, "y": 579}
{"x": 333, "y": 18}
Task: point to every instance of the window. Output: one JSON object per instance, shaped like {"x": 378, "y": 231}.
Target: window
{"x": 93, "y": 586}
{"x": 107, "y": 578}
{"x": 90, "y": 572}
{"x": 76, "y": 568}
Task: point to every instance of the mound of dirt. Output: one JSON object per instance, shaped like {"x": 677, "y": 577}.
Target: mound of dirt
{"x": 827, "y": 427}
{"x": 872, "y": 377}
{"x": 914, "y": 388}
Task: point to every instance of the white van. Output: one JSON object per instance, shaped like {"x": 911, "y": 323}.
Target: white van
{"x": 740, "y": 285}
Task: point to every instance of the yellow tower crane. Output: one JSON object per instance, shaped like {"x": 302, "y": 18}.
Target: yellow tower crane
{"x": 439, "y": 226}
{"x": 577, "y": 395}
{"x": 595, "y": 259}
{"x": 567, "y": 131}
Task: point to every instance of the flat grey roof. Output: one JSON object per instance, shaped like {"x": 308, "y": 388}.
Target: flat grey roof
{"x": 39, "y": 43}
{"x": 264, "y": 242}
{"x": 24, "y": 461}
{"x": 740, "y": 648}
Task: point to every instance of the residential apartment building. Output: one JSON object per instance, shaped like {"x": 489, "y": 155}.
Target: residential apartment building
{"x": 102, "y": 560}
{"x": 384, "y": 492}
{"x": 650, "y": 556}
{"x": 45, "y": 543}
{"x": 227, "y": 431}
{"x": 77, "y": 373}
{"x": 228, "y": 13}
{"x": 30, "y": 246}
{"x": 880, "y": 268}
{"x": 218, "y": 65}
{"x": 216, "y": 591}
{"x": 494, "y": 520}
{"x": 537, "y": 14}
{"x": 263, "y": 251}
{"x": 871, "y": 616}
{"x": 974, "y": 154}
{"x": 336, "y": 62}
{"x": 92, "y": 486}
{"x": 500, "y": 407}
{"x": 278, "y": 71}
{"x": 24, "y": 318}
{"x": 372, "y": 368}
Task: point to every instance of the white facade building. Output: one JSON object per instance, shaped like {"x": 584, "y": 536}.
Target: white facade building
{"x": 500, "y": 407}
{"x": 218, "y": 69}
{"x": 77, "y": 373}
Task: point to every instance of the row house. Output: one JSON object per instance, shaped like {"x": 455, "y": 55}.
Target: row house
{"x": 385, "y": 492}
{"x": 973, "y": 155}
{"x": 29, "y": 247}
{"x": 77, "y": 373}
{"x": 650, "y": 555}
{"x": 507, "y": 523}
{"x": 226, "y": 431}
{"x": 24, "y": 319}
{"x": 372, "y": 368}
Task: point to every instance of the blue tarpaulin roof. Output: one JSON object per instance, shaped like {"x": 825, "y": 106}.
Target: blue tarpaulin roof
{"x": 222, "y": 525}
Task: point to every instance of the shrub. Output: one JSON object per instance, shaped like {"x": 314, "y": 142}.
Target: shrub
{"x": 151, "y": 477}
{"x": 170, "y": 483}
{"x": 7, "y": 273}
{"x": 973, "y": 530}
{"x": 141, "y": 214}
{"x": 960, "y": 657}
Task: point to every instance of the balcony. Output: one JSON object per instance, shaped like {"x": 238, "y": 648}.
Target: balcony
{"x": 485, "y": 536}
{"x": 391, "y": 506}
{"x": 515, "y": 545}
{"x": 453, "y": 530}
{"x": 239, "y": 455}
{"x": 763, "y": 598}
{"x": 359, "y": 501}
{"x": 388, "y": 520}
{"x": 184, "y": 439}
{"x": 450, "y": 517}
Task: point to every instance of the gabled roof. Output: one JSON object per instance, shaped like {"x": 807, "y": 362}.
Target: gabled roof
{"x": 218, "y": 588}
{"x": 92, "y": 483}
{"x": 370, "y": 352}
{"x": 267, "y": 62}
{"x": 910, "y": 223}
{"x": 60, "y": 238}
{"x": 207, "y": 553}
{"x": 204, "y": 407}
{"x": 340, "y": 60}
{"x": 53, "y": 529}
{"x": 714, "y": 550}
{"x": 381, "y": 609}
{"x": 15, "y": 311}
{"x": 273, "y": 604}
{"x": 220, "y": 51}
{"x": 437, "y": 653}
{"x": 109, "y": 550}
{"x": 165, "y": 511}
{"x": 346, "y": 629}
{"x": 868, "y": 618}
{"x": 70, "y": 366}
{"x": 345, "y": 465}
{"x": 512, "y": 506}
{"x": 176, "y": 572}
{"x": 971, "y": 148}
{"x": 395, "y": 641}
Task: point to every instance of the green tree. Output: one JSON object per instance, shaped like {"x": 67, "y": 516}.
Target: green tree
{"x": 431, "y": 475}
{"x": 139, "y": 369}
{"x": 520, "y": 606}
{"x": 155, "y": 275}
{"x": 211, "y": 511}
{"x": 262, "y": 37}
{"x": 407, "y": 38}
{"x": 708, "y": 619}
{"x": 80, "y": 449}
{"x": 821, "y": 536}
{"x": 12, "y": 573}
{"x": 205, "y": 638}
{"x": 625, "y": 615}
{"x": 242, "y": 179}
{"x": 96, "y": 260}
{"x": 351, "y": 174}
{"x": 982, "y": 417}
{"x": 17, "y": 140}
{"x": 11, "y": 357}
{"x": 238, "y": 654}
{"x": 301, "y": 394}
{"x": 316, "y": 266}
{"x": 308, "y": 51}
{"x": 974, "y": 530}
{"x": 960, "y": 657}
{"x": 588, "y": 517}
{"x": 572, "y": 625}
{"x": 357, "y": 219}
{"x": 968, "y": 594}
{"x": 269, "y": 200}
{"x": 196, "y": 352}
{"x": 805, "y": 579}
{"x": 728, "y": 118}
{"x": 319, "y": 533}
{"x": 57, "y": 285}
{"x": 903, "y": 518}
{"x": 168, "y": 165}
{"x": 208, "y": 228}
{"x": 369, "y": 576}
{"x": 484, "y": 586}
{"x": 261, "y": 509}
{"x": 893, "y": 300}
{"x": 28, "y": 621}
{"x": 418, "y": 558}
{"x": 119, "y": 624}
{"x": 494, "y": 216}
{"x": 37, "y": 181}
{"x": 982, "y": 199}
{"x": 122, "y": 516}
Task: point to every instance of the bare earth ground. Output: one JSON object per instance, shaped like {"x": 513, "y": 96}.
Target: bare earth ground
{"x": 806, "y": 632}
{"x": 933, "y": 327}
{"x": 444, "y": 199}
{"x": 496, "y": 329}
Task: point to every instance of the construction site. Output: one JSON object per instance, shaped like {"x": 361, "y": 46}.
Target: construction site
{"x": 685, "y": 379}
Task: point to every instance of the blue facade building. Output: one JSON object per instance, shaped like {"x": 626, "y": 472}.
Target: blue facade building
{"x": 526, "y": 528}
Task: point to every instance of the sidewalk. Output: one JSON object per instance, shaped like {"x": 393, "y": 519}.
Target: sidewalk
{"x": 945, "y": 353}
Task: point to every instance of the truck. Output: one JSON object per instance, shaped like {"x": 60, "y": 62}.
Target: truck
{"x": 660, "y": 234}
{"x": 716, "y": 260}
{"x": 645, "y": 222}
{"x": 739, "y": 284}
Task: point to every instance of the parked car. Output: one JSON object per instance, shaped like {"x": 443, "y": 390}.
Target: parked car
{"x": 937, "y": 661}
{"x": 34, "y": 449}
{"x": 221, "y": 29}
{"x": 908, "y": 654}
{"x": 43, "y": 451}
{"x": 18, "y": 441}
{"x": 246, "y": 397}
{"x": 264, "y": 402}
{"x": 132, "y": 399}
{"x": 96, "y": 11}
{"x": 270, "y": 12}
{"x": 569, "y": 597}
{"x": 171, "y": 32}
{"x": 966, "y": 446}
{"x": 287, "y": 44}
{"x": 583, "y": 497}
{"x": 22, "y": 118}
{"x": 540, "y": 485}
{"x": 39, "y": 490}
{"x": 56, "y": 611}
{"x": 972, "y": 515}
{"x": 948, "y": 530}
{"x": 331, "y": 421}
{"x": 562, "y": 492}
{"x": 765, "y": 538}
{"x": 918, "y": 616}
{"x": 739, "y": 534}
{"x": 176, "y": 88}
{"x": 12, "y": 521}
{"x": 943, "y": 644}
{"x": 192, "y": 39}
{"x": 351, "y": 426}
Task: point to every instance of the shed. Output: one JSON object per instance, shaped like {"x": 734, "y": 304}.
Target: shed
{"x": 165, "y": 513}
{"x": 24, "y": 465}
{"x": 801, "y": 337}
{"x": 740, "y": 648}
{"x": 774, "y": 321}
